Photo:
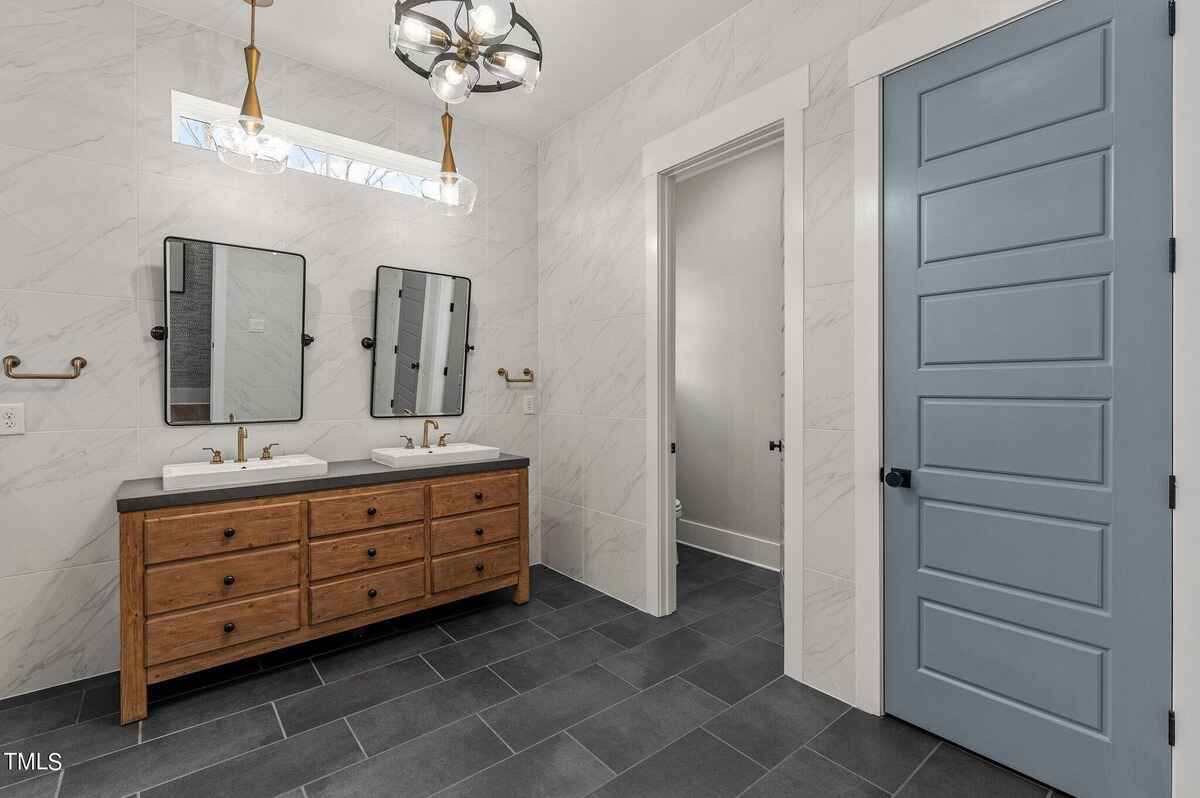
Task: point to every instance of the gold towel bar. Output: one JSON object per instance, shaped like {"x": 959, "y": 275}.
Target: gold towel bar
{"x": 12, "y": 361}
{"x": 527, "y": 372}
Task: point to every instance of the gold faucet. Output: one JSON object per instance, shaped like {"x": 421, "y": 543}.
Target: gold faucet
{"x": 242, "y": 435}
{"x": 425, "y": 434}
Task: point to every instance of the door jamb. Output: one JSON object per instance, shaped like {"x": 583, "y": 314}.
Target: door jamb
{"x": 778, "y": 106}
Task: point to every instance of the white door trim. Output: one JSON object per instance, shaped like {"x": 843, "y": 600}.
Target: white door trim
{"x": 780, "y": 103}
{"x": 920, "y": 33}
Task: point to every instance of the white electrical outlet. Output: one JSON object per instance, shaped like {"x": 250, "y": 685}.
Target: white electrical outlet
{"x": 12, "y": 419}
{"x": 530, "y": 405}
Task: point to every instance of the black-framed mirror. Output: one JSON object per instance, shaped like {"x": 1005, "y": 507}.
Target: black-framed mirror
{"x": 419, "y": 352}
{"x": 234, "y": 334}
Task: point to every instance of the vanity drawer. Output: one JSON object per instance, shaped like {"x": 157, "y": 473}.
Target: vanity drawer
{"x": 180, "y": 537}
{"x": 356, "y": 594}
{"x": 350, "y": 553}
{"x": 480, "y": 493}
{"x": 476, "y": 529}
{"x": 457, "y": 570}
{"x": 333, "y": 515}
{"x": 176, "y": 586}
{"x": 191, "y": 632}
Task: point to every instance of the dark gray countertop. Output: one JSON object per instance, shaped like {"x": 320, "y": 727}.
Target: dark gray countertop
{"x": 148, "y": 494}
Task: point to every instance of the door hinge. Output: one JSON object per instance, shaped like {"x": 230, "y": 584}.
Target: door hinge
{"x": 446, "y": 371}
{"x": 672, "y": 447}
{"x": 1171, "y": 491}
{"x": 881, "y": 475}
{"x": 1172, "y": 246}
{"x": 1171, "y": 727}
{"x": 1171, "y": 15}
{"x": 451, "y": 307}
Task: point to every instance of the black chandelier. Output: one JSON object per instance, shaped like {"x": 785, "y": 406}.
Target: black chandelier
{"x": 445, "y": 41}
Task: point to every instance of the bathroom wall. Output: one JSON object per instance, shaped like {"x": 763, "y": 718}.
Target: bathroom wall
{"x": 90, "y": 184}
{"x": 592, "y": 305}
{"x": 729, "y": 355}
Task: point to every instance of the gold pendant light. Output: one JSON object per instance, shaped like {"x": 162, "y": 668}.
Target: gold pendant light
{"x": 245, "y": 143}
{"x": 450, "y": 192}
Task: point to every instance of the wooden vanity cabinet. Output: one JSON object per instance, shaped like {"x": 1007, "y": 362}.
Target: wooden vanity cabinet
{"x": 207, "y": 584}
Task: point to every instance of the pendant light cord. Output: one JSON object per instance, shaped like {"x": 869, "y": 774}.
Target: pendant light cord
{"x": 253, "y": 9}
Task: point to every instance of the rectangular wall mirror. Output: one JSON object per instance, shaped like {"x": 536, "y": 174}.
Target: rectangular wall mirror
{"x": 234, "y": 332}
{"x": 420, "y": 351}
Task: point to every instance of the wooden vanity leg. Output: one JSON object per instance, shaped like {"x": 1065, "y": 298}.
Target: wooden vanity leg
{"x": 133, "y": 620}
{"x": 522, "y": 595}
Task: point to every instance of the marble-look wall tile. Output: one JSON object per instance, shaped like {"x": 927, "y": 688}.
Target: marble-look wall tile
{"x": 831, "y": 101}
{"x": 829, "y": 634}
{"x": 829, "y": 211}
{"x": 336, "y": 368}
{"x": 67, "y": 225}
{"x": 829, "y": 502}
{"x": 513, "y": 348}
{"x": 613, "y": 377}
{"x": 562, "y": 537}
{"x": 512, "y": 201}
{"x": 829, "y": 356}
{"x": 58, "y": 626}
{"x": 877, "y": 12}
{"x": 614, "y": 467}
{"x": 563, "y": 439}
{"x": 615, "y": 556}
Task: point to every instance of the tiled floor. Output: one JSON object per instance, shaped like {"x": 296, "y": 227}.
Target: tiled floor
{"x": 573, "y": 694}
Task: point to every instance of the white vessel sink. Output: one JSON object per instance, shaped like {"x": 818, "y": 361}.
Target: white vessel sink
{"x": 207, "y": 475}
{"x": 400, "y": 457}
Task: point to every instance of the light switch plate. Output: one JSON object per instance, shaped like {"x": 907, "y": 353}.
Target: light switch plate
{"x": 12, "y": 419}
{"x": 530, "y": 405}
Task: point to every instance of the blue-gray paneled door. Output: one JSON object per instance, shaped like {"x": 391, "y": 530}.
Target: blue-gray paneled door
{"x": 1027, "y": 324}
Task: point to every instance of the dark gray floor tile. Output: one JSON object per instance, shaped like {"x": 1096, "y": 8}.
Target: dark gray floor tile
{"x": 717, "y": 596}
{"x": 547, "y": 663}
{"x": 493, "y": 618}
{"x": 584, "y": 615}
{"x": 402, "y": 719}
{"x": 740, "y": 671}
{"x": 26, "y": 720}
{"x": 73, "y": 744}
{"x": 100, "y": 701}
{"x": 953, "y": 773}
{"x": 538, "y": 714}
{"x": 40, "y": 787}
{"x": 740, "y": 621}
{"x": 202, "y": 680}
{"x": 770, "y": 596}
{"x": 485, "y": 649}
{"x": 775, "y": 721}
{"x": 716, "y": 570}
{"x": 542, "y": 578}
{"x": 555, "y": 768}
{"x": 140, "y": 767}
{"x": 418, "y": 768}
{"x": 566, "y": 593}
{"x": 77, "y": 687}
{"x": 630, "y": 731}
{"x": 378, "y": 652}
{"x": 761, "y": 577}
{"x": 690, "y": 556}
{"x": 663, "y": 657}
{"x": 697, "y": 766}
{"x": 272, "y": 769}
{"x": 807, "y": 775}
{"x": 324, "y": 645}
{"x": 261, "y": 688}
{"x": 885, "y": 751}
{"x": 638, "y": 627}
{"x": 688, "y": 580}
{"x": 319, "y": 706}
{"x": 774, "y": 634}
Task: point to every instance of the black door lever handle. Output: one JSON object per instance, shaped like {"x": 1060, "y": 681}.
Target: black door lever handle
{"x": 898, "y": 478}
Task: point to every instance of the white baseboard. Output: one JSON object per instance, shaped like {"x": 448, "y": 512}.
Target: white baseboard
{"x": 727, "y": 543}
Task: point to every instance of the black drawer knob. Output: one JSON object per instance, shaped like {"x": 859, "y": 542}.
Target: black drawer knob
{"x": 478, "y": 495}
{"x": 372, "y": 593}
{"x": 229, "y": 627}
{"x": 371, "y": 553}
{"x": 479, "y": 567}
{"x": 479, "y": 531}
{"x": 230, "y": 532}
{"x": 371, "y": 511}
{"x": 229, "y": 580}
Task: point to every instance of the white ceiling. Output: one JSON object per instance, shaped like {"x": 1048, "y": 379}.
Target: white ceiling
{"x": 591, "y": 46}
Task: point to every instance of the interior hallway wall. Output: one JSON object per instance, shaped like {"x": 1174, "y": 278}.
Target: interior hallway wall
{"x": 728, "y": 226}
{"x": 592, "y": 305}
{"x": 91, "y": 183}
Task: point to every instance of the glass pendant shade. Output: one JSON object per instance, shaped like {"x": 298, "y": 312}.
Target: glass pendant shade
{"x": 450, "y": 193}
{"x": 453, "y": 80}
{"x": 489, "y": 19}
{"x": 511, "y": 66}
{"x": 246, "y": 145}
{"x": 416, "y": 36}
